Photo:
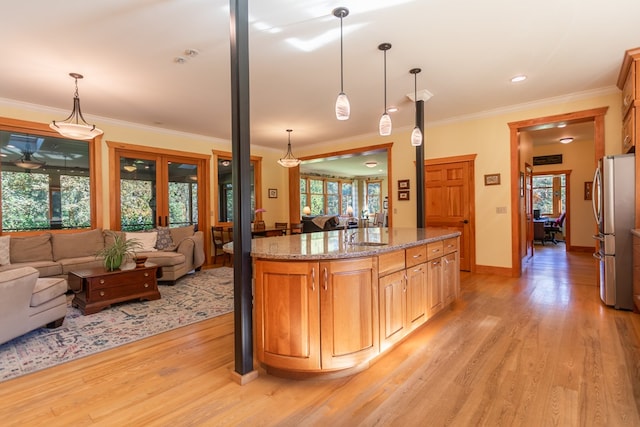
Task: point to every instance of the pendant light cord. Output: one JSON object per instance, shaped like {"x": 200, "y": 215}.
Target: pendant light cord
{"x": 341, "y": 61}
{"x": 385, "y": 81}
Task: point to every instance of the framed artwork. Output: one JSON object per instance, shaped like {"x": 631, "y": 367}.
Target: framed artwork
{"x": 273, "y": 193}
{"x": 588, "y": 187}
{"x": 492, "y": 179}
{"x": 403, "y": 195}
{"x": 403, "y": 184}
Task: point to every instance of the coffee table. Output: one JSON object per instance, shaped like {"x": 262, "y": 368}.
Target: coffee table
{"x": 101, "y": 288}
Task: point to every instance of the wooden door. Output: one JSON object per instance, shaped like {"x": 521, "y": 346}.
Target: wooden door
{"x": 348, "y": 312}
{"x": 287, "y": 310}
{"x": 393, "y": 303}
{"x": 449, "y": 202}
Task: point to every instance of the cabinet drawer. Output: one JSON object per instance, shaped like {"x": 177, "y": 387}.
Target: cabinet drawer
{"x": 115, "y": 293}
{"x": 416, "y": 255}
{"x": 629, "y": 89}
{"x": 390, "y": 262}
{"x": 124, "y": 278}
{"x": 435, "y": 250}
{"x": 629, "y": 131}
{"x": 450, "y": 245}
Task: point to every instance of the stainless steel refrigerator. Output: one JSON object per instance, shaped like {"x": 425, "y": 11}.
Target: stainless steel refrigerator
{"x": 613, "y": 199}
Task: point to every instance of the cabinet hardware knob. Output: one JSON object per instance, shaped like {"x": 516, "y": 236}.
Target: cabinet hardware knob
{"x": 417, "y": 256}
{"x": 313, "y": 279}
{"x": 146, "y": 274}
{"x": 101, "y": 293}
{"x": 146, "y": 285}
{"x": 102, "y": 281}
{"x": 326, "y": 279}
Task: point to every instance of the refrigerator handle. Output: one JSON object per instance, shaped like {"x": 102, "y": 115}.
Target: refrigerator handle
{"x": 596, "y": 195}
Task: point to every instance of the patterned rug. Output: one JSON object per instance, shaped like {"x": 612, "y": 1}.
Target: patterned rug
{"x": 195, "y": 297}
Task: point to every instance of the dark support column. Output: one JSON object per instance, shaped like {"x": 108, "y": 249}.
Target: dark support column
{"x": 420, "y": 214}
{"x": 241, "y": 171}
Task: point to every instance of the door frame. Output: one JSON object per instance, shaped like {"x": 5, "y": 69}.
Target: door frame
{"x": 203, "y": 162}
{"x": 595, "y": 115}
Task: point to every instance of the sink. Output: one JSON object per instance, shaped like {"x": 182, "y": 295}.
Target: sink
{"x": 368, "y": 243}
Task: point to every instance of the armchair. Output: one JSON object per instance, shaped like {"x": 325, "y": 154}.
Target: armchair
{"x": 28, "y": 302}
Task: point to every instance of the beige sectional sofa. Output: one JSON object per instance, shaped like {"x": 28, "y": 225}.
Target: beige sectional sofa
{"x": 55, "y": 254}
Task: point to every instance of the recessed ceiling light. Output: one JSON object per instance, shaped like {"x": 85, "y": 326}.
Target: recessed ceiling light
{"x": 566, "y": 140}
{"x": 392, "y": 109}
{"x": 371, "y": 164}
{"x": 517, "y": 79}
{"x": 561, "y": 125}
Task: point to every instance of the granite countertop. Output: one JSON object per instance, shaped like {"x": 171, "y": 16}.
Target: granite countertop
{"x": 331, "y": 244}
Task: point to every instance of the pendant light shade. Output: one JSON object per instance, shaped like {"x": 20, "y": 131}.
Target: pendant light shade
{"x": 416, "y": 134}
{"x": 75, "y": 126}
{"x": 289, "y": 161}
{"x": 385, "y": 121}
{"x": 343, "y": 108}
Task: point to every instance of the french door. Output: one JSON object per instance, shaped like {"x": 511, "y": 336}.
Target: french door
{"x": 154, "y": 189}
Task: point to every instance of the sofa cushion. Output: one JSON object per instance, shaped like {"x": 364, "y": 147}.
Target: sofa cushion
{"x": 32, "y": 248}
{"x": 45, "y": 268}
{"x": 5, "y": 254}
{"x": 164, "y": 258}
{"x": 178, "y": 234}
{"x": 47, "y": 289}
{"x": 73, "y": 245}
{"x": 147, "y": 240}
{"x": 164, "y": 241}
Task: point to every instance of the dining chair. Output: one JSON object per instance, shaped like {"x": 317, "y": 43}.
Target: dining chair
{"x": 218, "y": 241}
{"x": 258, "y": 225}
{"x": 296, "y": 228}
{"x": 282, "y": 226}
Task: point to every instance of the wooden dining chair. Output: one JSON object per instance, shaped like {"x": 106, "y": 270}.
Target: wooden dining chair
{"x": 296, "y": 228}
{"x": 218, "y": 241}
{"x": 259, "y": 225}
{"x": 282, "y": 226}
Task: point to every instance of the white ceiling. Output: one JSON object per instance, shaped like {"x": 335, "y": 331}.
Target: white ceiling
{"x": 468, "y": 52}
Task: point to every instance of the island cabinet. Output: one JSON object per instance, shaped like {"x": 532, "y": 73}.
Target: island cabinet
{"x": 403, "y": 293}
{"x": 316, "y": 316}
{"x": 443, "y": 274}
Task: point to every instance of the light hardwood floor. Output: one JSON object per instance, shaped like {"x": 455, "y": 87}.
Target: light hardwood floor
{"x": 539, "y": 350}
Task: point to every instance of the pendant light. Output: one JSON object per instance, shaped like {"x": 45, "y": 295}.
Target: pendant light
{"x": 385, "y": 121}
{"x": 75, "y": 126}
{"x": 416, "y": 134}
{"x": 289, "y": 161}
{"x": 343, "y": 108}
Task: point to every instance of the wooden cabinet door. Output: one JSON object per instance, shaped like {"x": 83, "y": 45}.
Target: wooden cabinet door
{"x": 287, "y": 307}
{"x": 450, "y": 276}
{"x": 416, "y": 295}
{"x": 348, "y": 312}
{"x": 434, "y": 286}
{"x": 393, "y": 308}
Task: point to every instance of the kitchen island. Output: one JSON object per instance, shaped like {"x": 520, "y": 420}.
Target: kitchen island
{"x": 328, "y": 303}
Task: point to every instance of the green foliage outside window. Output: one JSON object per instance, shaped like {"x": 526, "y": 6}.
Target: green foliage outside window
{"x": 25, "y": 201}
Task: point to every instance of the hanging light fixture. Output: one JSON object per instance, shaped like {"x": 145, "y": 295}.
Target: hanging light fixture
{"x": 289, "y": 161}
{"x": 343, "y": 109}
{"x": 416, "y": 134}
{"x": 385, "y": 121}
{"x": 26, "y": 161}
{"x": 75, "y": 126}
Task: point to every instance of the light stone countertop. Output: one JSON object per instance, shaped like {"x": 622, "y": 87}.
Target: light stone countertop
{"x": 331, "y": 244}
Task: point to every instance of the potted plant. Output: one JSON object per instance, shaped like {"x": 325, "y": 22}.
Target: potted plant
{"x": 113, "y": 255}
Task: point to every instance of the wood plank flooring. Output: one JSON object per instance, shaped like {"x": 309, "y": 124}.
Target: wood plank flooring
{"x": 535, "y": 351}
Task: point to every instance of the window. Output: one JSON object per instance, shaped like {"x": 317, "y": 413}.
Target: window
{"x": 550, "y": 194}
{"x": 46, "y": 180}
{"x": 326, "y": 196}
{"x": 374, "y": 189}
{"x": 224, "y": 186}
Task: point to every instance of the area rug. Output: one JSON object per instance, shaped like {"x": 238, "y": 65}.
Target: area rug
{"x": 195, "y": 297}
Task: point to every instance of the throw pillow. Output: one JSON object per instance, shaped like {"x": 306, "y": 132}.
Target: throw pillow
{"x": 164, "y": 241}
{"x": 5, "y": 245}
{"x": 146, "y": 239}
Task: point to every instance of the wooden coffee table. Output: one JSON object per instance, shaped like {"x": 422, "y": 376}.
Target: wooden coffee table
{"x": 101, "y": 288}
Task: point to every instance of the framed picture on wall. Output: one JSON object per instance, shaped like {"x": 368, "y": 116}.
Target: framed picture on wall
{"x": 403, "y": 195}
{"x": 492, "y": 179}
{"x": 273, "y": 193}
{"x": 403, "y": 184}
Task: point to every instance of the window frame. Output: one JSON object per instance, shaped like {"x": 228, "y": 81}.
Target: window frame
{"x": 95, "y": 178}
